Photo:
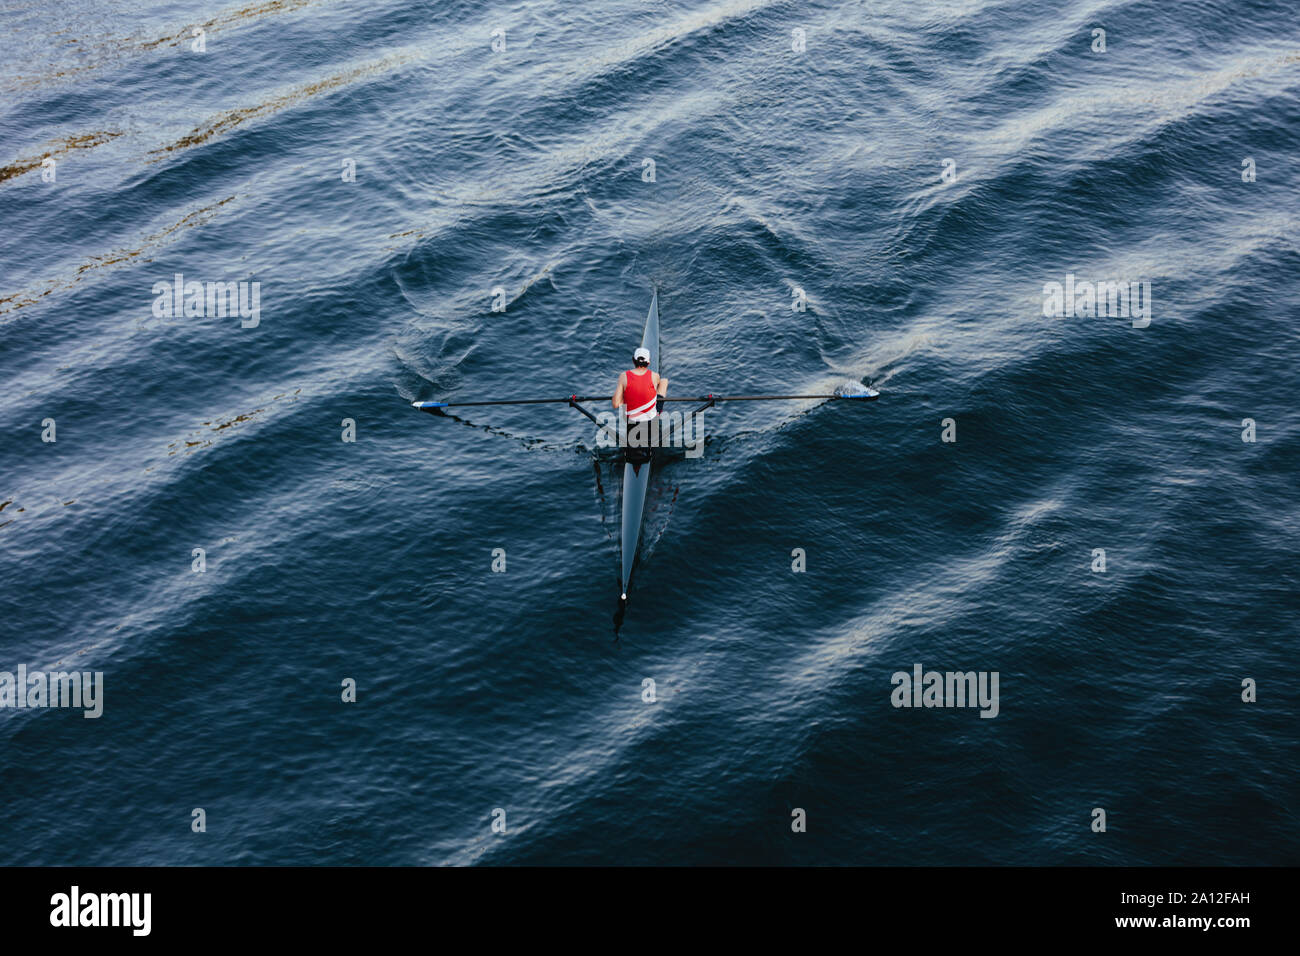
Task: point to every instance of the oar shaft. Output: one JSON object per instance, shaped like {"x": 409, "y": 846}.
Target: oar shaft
{"x": 760, "y": 398}
{"x": 517, "y": 401}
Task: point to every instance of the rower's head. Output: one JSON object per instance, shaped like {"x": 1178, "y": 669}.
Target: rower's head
{"x": 641, "y": 357}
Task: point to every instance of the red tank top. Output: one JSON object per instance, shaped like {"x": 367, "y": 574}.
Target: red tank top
{"x": 640, "y": 395}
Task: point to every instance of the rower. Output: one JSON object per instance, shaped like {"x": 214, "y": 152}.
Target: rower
{"x": 640, "y": 388}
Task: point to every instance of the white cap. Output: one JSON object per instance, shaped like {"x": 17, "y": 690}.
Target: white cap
{"x": 641, "y": 353}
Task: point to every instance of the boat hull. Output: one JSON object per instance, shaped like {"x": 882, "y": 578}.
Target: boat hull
{"x": 636, "y": 474}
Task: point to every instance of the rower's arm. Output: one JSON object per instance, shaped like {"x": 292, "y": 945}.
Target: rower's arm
{"x": 617, "y": 400}
{"x": 661, "y": 385}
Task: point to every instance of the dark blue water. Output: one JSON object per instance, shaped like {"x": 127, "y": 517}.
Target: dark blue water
{"x": 774, "y": 170}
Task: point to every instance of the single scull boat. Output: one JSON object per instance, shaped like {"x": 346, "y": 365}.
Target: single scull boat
{"x": 638, "y": 462}
{"x": 636, "y": 467}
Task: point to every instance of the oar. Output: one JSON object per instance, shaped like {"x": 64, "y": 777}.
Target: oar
{"x": 868, "y": 395}
{"x": 429, "y": 406}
